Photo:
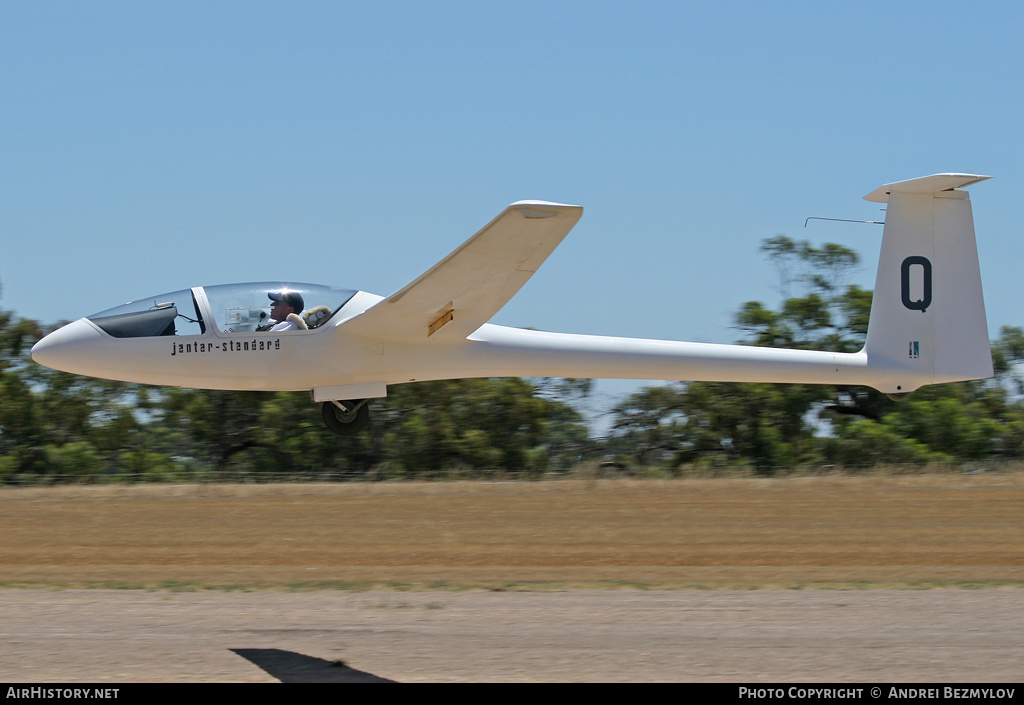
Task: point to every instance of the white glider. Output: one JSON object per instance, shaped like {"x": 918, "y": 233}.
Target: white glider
{"x": 927, "y": 322}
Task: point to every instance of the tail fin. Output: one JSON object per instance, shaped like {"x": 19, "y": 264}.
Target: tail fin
{"x": 927, "y": 320}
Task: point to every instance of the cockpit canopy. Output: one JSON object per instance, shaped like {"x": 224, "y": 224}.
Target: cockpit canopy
{"x": 226, "y": 309}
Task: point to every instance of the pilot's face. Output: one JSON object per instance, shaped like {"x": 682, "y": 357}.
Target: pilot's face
{"x": 280, "y": 310}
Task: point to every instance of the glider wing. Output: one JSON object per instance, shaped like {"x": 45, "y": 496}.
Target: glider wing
{"x": 465, "y": 289}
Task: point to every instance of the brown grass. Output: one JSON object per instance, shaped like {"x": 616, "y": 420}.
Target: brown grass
{"x": 797, "y": 532}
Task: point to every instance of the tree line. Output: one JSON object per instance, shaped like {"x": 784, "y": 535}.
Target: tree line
{"x": 60, "y": 427}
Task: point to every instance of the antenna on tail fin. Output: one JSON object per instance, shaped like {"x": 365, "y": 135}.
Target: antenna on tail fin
{"x": 927, "y": 320}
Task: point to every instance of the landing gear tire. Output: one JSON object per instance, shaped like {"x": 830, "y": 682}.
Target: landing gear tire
{"x": 346, "y": 418}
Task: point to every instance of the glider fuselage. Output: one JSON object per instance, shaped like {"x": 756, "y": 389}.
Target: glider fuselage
{"x": 927, "y": 321}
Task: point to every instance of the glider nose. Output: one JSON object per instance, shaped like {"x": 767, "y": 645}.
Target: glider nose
{"x": 66, "y": 348}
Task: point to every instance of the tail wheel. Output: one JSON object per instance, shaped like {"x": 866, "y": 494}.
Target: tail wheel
{"x": 346, "y": 418}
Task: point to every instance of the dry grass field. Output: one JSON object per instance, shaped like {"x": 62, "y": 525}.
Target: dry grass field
{"x": 797, "y": 532}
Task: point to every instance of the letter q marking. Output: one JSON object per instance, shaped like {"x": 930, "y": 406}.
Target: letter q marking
{"x": 926, "y": 275}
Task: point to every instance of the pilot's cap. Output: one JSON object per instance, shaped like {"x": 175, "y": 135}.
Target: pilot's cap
{"x": 290, "y": 298}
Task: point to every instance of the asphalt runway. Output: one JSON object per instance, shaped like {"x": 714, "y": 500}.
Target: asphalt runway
{"x": 741, "y": 636}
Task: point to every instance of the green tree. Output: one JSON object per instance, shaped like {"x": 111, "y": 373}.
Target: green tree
{"x": 498, "y": 423}
{"x": 774, "y": 425}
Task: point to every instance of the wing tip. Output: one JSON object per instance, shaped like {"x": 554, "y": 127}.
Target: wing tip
{"x": 543, "y": 209}
{"x": 551, "y": 204}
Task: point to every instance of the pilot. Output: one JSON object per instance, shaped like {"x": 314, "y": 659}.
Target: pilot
{"x": 285, "y": 310}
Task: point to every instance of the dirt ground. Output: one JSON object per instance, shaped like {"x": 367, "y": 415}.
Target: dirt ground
{"x": 745, "y": 636}
{"x": 813, "y": 579}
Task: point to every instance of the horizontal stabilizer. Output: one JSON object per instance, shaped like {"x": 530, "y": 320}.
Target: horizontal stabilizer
{"x": 935, "y": 183}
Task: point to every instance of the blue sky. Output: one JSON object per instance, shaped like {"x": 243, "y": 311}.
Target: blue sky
{"x": 147, "y": 147}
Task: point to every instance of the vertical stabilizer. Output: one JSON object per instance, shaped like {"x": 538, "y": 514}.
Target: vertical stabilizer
{"x": 927, "y": 320}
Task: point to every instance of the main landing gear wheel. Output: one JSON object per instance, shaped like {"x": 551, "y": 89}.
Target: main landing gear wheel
{"x": 346, "y": 418}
